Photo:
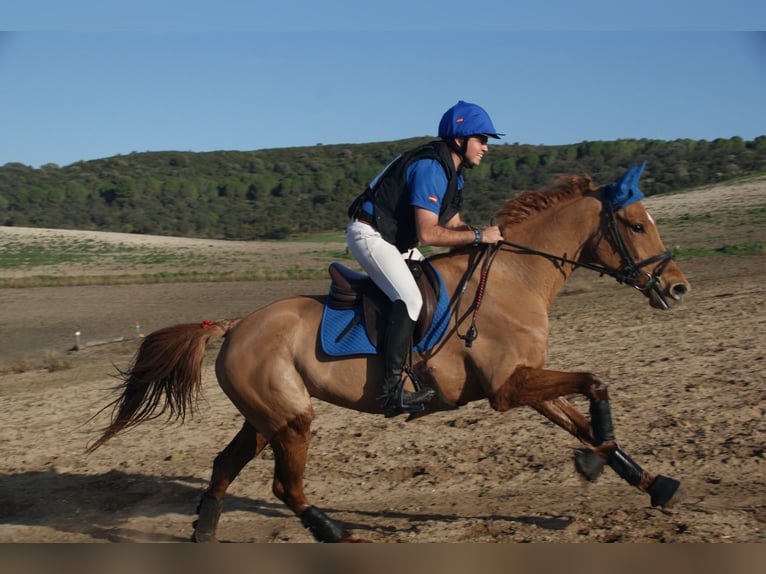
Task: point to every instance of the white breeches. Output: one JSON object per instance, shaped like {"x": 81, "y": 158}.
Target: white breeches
{"x": 385, "y": 265}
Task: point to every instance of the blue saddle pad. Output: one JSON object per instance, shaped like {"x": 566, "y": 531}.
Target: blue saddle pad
{"x": 356, "y": 341}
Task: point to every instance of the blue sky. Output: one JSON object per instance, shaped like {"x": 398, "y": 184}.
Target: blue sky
{"x": 86, "y": 80}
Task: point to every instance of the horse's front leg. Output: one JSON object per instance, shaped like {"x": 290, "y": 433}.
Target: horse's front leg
{"x": 545, "y": 390}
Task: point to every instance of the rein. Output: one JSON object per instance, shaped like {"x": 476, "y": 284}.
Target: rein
{"x": 488, "y": 254}
{"x": 630, "y": 273}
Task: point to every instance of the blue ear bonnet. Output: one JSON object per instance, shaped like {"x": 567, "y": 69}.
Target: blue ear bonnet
{"x": 625, "y": 190}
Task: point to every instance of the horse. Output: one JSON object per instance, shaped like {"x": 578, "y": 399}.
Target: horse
{"x": 271, "y": 362}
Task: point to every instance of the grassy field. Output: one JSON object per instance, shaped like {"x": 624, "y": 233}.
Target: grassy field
{"x": 36, "y": 257}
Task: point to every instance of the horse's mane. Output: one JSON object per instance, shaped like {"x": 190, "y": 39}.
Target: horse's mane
{"x": 523, "y": 206}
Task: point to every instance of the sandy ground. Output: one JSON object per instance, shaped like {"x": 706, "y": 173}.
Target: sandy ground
{"x": 688, "y": 398}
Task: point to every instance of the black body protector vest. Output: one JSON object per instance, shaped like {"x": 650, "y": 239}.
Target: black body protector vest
{"x": 394, "y": 214}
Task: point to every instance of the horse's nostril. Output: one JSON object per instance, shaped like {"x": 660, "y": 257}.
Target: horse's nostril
{"x": 678, "y": 290}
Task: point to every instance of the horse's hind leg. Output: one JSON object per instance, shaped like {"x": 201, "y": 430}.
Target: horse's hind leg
{"x": 245, "y": 446}
{"x": 290, "y": 445}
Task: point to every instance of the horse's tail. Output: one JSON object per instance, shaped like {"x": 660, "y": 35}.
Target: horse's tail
{"x": 166, "y": 371}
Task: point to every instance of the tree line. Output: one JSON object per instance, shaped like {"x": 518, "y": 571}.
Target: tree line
{"x": 280, "y": 193}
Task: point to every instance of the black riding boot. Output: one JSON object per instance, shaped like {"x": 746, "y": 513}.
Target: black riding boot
{"x": 396, "y": 345}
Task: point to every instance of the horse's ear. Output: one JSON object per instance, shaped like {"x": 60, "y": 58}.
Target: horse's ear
{"x": 625, "y": 190}
{"x": 636, "y": 175}
{"x": 640, "y": 171}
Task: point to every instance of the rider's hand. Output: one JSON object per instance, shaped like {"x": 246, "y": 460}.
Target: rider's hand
{"x": 491, "y": 234}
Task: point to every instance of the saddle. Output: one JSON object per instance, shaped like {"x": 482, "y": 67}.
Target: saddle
{"x": 350, "y": 289}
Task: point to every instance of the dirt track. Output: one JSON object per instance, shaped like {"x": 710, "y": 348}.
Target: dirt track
{"x": 687, "y": 386}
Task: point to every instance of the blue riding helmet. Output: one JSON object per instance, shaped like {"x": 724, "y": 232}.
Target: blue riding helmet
{"x": 464, "y": 120}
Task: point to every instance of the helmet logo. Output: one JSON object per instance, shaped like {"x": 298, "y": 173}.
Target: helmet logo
{"x": 459, "y": 121}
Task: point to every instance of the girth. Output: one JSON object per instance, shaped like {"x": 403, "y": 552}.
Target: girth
{"x": 349, "y": 289}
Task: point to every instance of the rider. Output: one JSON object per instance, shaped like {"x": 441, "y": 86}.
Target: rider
{"x": 416, "y": 199}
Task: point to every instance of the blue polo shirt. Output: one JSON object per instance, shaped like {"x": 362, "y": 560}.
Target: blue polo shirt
{"x": 427, "y": 183}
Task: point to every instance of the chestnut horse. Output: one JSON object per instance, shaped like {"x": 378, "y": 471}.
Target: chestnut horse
{"x": 271, "y": 363}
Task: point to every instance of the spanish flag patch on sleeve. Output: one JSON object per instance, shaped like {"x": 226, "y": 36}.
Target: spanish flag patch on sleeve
{"x": 433, "y": 199}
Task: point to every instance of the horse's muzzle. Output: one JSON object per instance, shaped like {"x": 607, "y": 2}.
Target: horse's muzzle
{"x": 669, "y": 295}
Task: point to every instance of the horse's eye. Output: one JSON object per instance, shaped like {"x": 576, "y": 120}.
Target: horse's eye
{"x": 637, "y": 227}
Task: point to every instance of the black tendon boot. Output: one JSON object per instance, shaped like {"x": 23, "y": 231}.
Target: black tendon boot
{"x": 396, "y": 345}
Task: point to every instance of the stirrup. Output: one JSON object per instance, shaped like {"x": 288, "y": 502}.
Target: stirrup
{"x": 395, "y": 401}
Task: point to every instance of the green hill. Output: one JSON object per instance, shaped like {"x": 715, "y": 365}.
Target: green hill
{"x": 279, "y": 193}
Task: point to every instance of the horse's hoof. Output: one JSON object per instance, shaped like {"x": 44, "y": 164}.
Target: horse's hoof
{"x": 588, "y": 464}
{"x": 209, "y": 511}
{"x": 664, "y": 491}
{"x": 203, "y": 537}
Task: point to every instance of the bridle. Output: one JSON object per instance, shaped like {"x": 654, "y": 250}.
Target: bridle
{"x": 630, "y": 273}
